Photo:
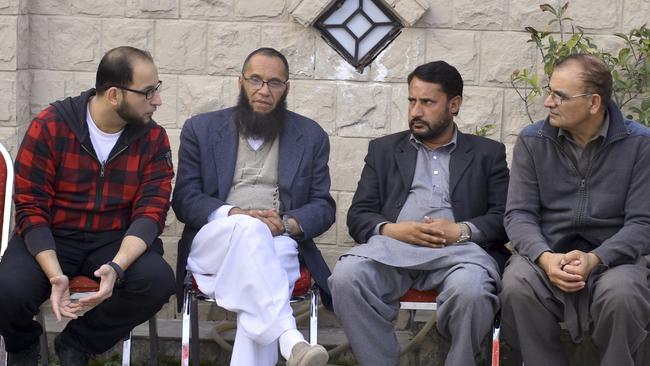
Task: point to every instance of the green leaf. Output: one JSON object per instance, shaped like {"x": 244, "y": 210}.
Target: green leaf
{"x": 549, "y": 8}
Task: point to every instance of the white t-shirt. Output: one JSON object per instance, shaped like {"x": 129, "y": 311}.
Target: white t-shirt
{"x": 103, "y": 142}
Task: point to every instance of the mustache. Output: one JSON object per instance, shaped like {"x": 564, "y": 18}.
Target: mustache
{"x": 416, "y": 119}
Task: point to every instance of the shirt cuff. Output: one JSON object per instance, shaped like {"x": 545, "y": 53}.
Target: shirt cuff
{"x": 39, "y": 239}
{"x": 145, "y": 229}
{"x": 377, "y": 229}
{"x": 220, "y": 213}
{"x": 477, "y": 235}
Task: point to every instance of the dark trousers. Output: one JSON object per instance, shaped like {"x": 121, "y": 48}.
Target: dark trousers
{"x": 148, "y": 284}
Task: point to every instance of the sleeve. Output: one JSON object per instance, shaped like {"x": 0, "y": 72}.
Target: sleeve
{"x": 35, "y": 172}
{"x": 522, "y": 215}
{"x": 152, "y": 198}
{"x": 489, "y": 225}
{"x": 365, "y": 211}
{"x": 191, "y": 205}
{"x": 319, "y": 213}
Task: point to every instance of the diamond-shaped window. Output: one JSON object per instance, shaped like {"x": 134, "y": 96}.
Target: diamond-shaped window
{"x": 358, "y": 29}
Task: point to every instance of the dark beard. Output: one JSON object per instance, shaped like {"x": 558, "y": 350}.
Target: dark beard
{"x": 266, "y": 126}
{"x": 434, "y": 132}
{"x": 130, "y": 118}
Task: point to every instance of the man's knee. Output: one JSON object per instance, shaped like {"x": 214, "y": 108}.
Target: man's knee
{"x": 16, "y": 294}
{"x": 346, "y": 278}
{"x": 153, "y": 278}
{"x": 517, "y": 278}
{"x": 620, "y": 291}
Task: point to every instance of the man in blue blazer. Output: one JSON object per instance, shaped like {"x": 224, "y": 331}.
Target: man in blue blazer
{"x": 428, "y": 213}
{"x": 253, "y": 191}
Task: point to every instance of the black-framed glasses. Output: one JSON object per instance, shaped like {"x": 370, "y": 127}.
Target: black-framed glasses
{"x": 558, "y": 98}
{"x": 258, "y": 83}
{"x": 148, "y": 93}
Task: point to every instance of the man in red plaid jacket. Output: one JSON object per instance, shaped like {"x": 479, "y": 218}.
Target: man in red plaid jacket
{"x": 93, "y": 181}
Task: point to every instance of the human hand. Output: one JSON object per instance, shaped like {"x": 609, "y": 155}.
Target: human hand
{"x": 450, "y": 229}
{"x": 107, "y": 277}
{"x": 580, "y": 263}
{"x": 553, "y": 264}
{"x": 62, "y": 305}
{"x": 271, "y": 218}
{"x": 418, "y": 233}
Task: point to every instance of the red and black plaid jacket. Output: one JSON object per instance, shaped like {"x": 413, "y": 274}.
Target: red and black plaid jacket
{"x": 60, "y": 184}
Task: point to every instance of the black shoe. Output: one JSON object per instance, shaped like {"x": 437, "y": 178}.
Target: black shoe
{"x": 69, "y": 355}
{"x": 27, "y": 357}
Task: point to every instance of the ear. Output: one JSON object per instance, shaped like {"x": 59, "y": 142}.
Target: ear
{"x": 114, "y": 96}
{"x": 455, "y": 103}
{"x": 596, "y": 104}
{"x": 240, "y": 82}
{"x": 288, "y": 87}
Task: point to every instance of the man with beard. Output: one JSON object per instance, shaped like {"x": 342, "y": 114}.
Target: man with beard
{"x": 253, "y": 190}
{"x": 429, "y": 210}
{"x": 93, "y": 180}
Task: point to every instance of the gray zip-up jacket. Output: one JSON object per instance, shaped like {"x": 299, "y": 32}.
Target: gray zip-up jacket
{"x": 550, "y": 201}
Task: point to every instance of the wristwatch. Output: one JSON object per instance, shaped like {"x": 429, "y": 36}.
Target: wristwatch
{"x": 465, "y": 233}
{"x": 119, "y": 271}
{"x": 285, "y": 223}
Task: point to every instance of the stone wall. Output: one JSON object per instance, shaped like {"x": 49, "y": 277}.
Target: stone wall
{"x": 50, "y": 49}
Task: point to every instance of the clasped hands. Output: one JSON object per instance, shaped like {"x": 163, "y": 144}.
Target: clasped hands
{"x": 568, "y": 271}
{"x": 269, "y": 217}
{"x": 434, "y": 233}
{"x": 62, "y": 304}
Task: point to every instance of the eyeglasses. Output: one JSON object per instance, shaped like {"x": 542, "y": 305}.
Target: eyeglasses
{"x": 558, "y": 98}
{"x": 148, "y": 93}
{"x": 258, "y": 83}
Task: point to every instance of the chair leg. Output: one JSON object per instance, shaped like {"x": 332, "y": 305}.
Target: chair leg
{"x": 3, "y": 352}
{"x": 496, "y": 342}
{"x": 126, "y": 350}
{"x": 45, "y": 352}
{"x": 153, "y": 341}
{"x": 185, "y": 330}
{"x": 194, "y": 329}
{"x": 313, "y": 317}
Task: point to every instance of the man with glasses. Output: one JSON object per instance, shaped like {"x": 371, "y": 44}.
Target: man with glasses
{"x": 253, "y": 191}
{"x": 93, "y": 180}
{"x": 578, "y": 215}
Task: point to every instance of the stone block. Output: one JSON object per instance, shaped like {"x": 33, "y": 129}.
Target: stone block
{"x": 486, "y": 15}
{"x": 409, "y": 11}
{"x": 328, "y": 238}
{"x": 306, "y": 12}
{"x": 344, "y": 239}
{"x": 46, "y": 87}
{"x": 127, "y": 32}
{"x": 228, "y": 46}
{"x": 166, "y": 113}
{"x": 635, "y": 14}
{"x": 199, "y": 94}
{"x": 170, "y": 245}
{"x": 458, "y": 48}
{"x": 77, "y": 82}
{"x": 296, "y": 43}
{"x": 38, "y": 50}
{"x": 23, "y": 91}
{"x": 104, "y": 8}
{"x": 259, "y": 9}
{"x": 596, "y": 14}
{"x": 528, "y": 14}
{"x": 206, "y": 9}
{"x": 73, "y": 43}
{"x": 330, "y": 65}
{"x": 8, "y": 99}
{"x": 9, "y": 7}
{"x": 316, "y": 100}
{"x": 501, "y": 54}
{"x": 8, "y": 36}
{"x": 22, "y": 39}
{"x": 439, "y": 14}
{"x": 481, "y": 106}
{"x": 152, "y": 8}
{"x": 346, "y": 162}
{"x": 331, "y": 256}
{"x": 362, "y": 109}
{"x": 180, "y": 46}
{"x": 174, "y": 136}
{"x": 403, "y": 55}
{"x": 399, "y": 108}
{"x": 47, "y": 7}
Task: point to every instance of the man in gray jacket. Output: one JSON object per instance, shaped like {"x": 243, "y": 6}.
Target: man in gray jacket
{"x": 578, "y": 215}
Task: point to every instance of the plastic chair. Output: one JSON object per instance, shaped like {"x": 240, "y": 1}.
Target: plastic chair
{"x": 302, "y": 290}
{"x": 414, "y": 300}
{"x": 6, "y": 196}
{"x": 81, "y": 286}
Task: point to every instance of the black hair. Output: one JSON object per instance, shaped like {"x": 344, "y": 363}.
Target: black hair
{"x": 440, "y": 72}
{"x": 116, "y": 67}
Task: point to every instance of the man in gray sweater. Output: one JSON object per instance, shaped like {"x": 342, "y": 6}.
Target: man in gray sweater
{"x": 579, "y": 217}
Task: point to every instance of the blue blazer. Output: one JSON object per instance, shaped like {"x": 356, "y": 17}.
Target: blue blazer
{"x": 206, "y": 165}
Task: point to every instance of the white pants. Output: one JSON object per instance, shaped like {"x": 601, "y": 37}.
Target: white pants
{"x": 248, "y": 271}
